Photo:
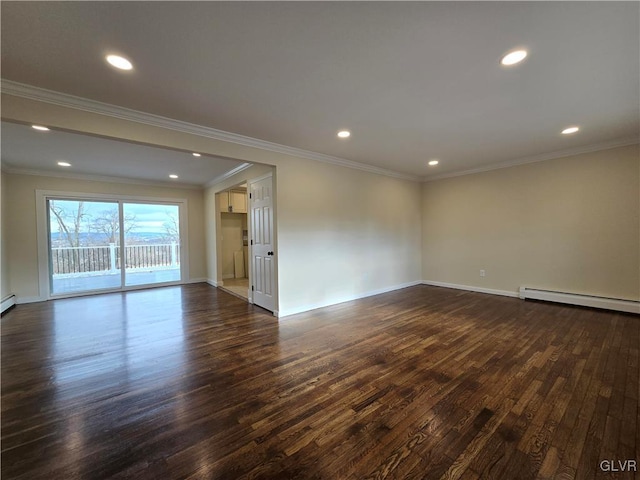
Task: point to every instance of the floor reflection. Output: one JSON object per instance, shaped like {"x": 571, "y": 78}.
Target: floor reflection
{"x": 113, "y": 377}
{"x": 116, "y": 338}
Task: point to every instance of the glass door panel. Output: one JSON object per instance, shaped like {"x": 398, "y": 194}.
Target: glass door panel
{"x": 84, "y": 246}
{"x": 151, "y": 243}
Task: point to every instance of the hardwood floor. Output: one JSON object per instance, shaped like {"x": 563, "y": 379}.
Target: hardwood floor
{"x": 425, "y": 382}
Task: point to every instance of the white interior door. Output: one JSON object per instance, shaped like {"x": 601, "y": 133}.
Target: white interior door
{"x": 262, "y": 248}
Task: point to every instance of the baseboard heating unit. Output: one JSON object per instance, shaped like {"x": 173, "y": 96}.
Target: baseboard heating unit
{"x": 629, "y": 306}
{"x": 8, "y": 302}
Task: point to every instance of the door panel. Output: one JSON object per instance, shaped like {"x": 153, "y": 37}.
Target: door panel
{"x": 84, "y": 246}
{"x": 268, "y": 276}
{"x": 151, "y": 243}
{"x": 267, "y": 222}
{"x": 262, "y": 250}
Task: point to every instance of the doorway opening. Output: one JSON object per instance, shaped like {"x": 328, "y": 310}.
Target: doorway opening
{"x": 246, "y": 241}
{"x": 233, "y": 254}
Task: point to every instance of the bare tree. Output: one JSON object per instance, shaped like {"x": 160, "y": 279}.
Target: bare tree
{"x": 70, "y": 222}
{"x": 171, "y": 227}
{"x": 108, "y": 224}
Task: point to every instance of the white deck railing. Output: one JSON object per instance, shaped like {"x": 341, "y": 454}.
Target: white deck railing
{"x": 66, "y": 260}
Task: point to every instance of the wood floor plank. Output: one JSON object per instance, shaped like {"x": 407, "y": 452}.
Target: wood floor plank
{"x": 190, "y": 382}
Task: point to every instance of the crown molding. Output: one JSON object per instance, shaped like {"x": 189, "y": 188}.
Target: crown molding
{"x": 228, "y": 174}
{"x": 70, "y": 101}
{"x": 96, "y": 178}
{"x": 595, "y": 147}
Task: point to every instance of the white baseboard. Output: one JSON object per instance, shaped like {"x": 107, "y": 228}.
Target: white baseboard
{"x": 197, "y": 280}
{"x": 629, "y": 306}
{"x": 306, "y": 308}
{"x": 211, "y": 282}
{"x": 490, "y": 291}
{"x": 8, "y": 302}
{"x": 226, "y": 276}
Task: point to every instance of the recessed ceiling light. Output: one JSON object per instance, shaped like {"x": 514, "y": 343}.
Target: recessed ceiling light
{"x": 514, "y": 57}
{"x": 119, "y": 62}
{"x": 196, "y": 154}
{"x": 433, "y": 162}
{"x": 173, "y": 175}
{"x": 344, "y": 133}
{"x": 570, "y": 130}
{"x": 64, "y": 164}
{"x": 40, "y": 127}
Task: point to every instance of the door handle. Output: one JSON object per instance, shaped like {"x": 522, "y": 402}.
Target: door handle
{"x": 269, "y": 253}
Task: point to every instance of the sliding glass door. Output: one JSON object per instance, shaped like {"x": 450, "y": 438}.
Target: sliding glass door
{"x": 84, "y": 246}
{"x": 151, "y": 243}
{"x": 97, "y": 245}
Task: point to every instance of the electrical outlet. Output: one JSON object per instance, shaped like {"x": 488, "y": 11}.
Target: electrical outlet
{"x": 483, "y": 273}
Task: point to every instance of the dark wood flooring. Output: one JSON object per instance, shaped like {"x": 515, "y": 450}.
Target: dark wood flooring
{"x": 425, "y": 382}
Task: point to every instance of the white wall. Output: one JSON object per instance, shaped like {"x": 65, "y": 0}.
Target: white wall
{"x": 569, "y": 224}
{"x": 21, "y": 217}
{"x": 344, "y": 233}
{"x": 5, "y": 279}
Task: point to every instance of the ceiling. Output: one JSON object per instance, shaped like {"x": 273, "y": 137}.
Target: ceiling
{"x": 412, "y": 81}
{"x": 26, "y": 149}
